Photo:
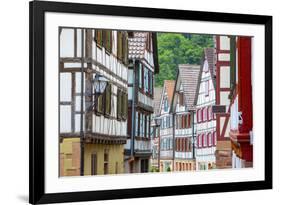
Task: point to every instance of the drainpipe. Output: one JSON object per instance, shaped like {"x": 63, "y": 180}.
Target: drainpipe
{"x": 82, "y": 108}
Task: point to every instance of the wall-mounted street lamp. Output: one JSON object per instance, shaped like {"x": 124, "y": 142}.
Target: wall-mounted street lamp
{"x": 99, "y": 83}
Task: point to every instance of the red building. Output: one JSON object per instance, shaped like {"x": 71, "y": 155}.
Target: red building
{"x": 234, "y": 102}
{"x": 241, "y": 105}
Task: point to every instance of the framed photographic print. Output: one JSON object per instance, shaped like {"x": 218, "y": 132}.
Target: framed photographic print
{"x": 130, "y": 102}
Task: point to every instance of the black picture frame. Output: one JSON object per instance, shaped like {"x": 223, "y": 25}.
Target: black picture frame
{"x": 37, "y": 11}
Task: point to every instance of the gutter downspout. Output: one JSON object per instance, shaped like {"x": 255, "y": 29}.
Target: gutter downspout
{"x": 82, "y": 108}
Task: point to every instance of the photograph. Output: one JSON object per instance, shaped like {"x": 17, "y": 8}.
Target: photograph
{"x": 135, "y": 102}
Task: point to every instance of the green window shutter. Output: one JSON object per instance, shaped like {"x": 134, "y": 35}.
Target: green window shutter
{"x": 100, "y": 104}
{"x": 104, "y": 33}
{"x": 119, "y": 104}
{"x": 124, "y": 105}
{"x": 125, "y": 48}
{"x": 119, "y": 45}
{"x": 108, "y": 100}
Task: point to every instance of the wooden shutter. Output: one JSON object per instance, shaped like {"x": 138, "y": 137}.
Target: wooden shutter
{"x": 98, "y": 37}
{"x": 100, "y": 104}
{"x": 108, "y": 99}
{"x": 125, "y": 48}
{"x": 119, "y": 45}
{"x": 119, "y": 102}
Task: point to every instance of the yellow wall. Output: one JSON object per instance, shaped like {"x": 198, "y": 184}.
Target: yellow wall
{"x": 115, "y": 154}
{"x": 70, "y": 157}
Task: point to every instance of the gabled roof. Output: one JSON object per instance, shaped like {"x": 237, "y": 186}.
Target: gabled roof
{"x": 187, "y": 76}
{"x": 209, "y": 55}
{"x": 157, "y": 98}
{"x": 168, "y": 86}
{"x": 137, "y": 46}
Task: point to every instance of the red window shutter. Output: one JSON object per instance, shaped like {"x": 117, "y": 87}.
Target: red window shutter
{"x": 202, "y": 140}
{"x": 208, "y": 142}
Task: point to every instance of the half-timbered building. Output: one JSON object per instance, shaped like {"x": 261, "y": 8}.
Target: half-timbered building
{"x": 155, "y": 130}
{"x": 93, "y": 126}
{"x": 183, "y": 110}
{"x": 166, "y": 127}
{"x": 241, "y": 107}
{"x": 222, "y": 108}
{"x": 143, "y": 64}
{"x": 205, "y": 120}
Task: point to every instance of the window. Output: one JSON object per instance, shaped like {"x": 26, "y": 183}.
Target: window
{"x": 184, "y": 144}
{"x": 124, "y": 110}
{"x": 204, "y": 140}
{"x": 210, "y": 139}
{"x": 122, "y": 105}
{"x": 100, "y": 103}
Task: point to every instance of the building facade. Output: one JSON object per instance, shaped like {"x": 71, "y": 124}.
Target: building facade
{"x": 143, "y": 65}
{"x": 183, "y": 110}
{"x": 166, "y": 127}
{"x": 93, "y": 127}
{"x": 223, "y": 89}
{"x": 205, "y": 119}
{"x": 241, "y": 106}
{"x": 155, "y": 132}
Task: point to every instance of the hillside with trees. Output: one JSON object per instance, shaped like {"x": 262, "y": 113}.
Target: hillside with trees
{"x": 174, "y": 49}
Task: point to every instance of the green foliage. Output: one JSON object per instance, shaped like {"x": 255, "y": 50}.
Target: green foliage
{"x": 174, "y": 49}
{"x": 168, "y": 169}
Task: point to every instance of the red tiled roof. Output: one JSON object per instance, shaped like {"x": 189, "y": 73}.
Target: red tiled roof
{"x": 169, "y": 85}
{"x": 137, "y": 45}
{"x": 157, "y": 99}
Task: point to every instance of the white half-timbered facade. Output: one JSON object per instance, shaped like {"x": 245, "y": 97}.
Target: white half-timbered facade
{"x": 183, "y": 110}
{"x": 97, "y": 120}
{"x": 205, "y": 119}
{"x": 166, "y": 127}
{"x": 143, "y": 64}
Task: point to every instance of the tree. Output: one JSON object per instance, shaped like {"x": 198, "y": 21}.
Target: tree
{"x": 174, "y": 49}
